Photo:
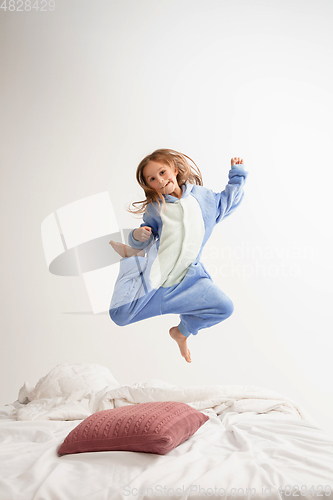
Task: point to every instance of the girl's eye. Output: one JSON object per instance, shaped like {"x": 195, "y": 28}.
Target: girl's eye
{"x": 152, "y": 178}
{"x": 162, "y": 172}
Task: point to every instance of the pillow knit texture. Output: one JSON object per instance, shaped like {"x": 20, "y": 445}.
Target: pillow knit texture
{"x": 144, "y": 427}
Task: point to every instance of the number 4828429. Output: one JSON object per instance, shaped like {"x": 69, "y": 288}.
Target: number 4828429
{"x": 26, "y": 5}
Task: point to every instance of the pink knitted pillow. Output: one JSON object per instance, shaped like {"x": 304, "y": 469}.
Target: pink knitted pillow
{"x": 146, "y": 427}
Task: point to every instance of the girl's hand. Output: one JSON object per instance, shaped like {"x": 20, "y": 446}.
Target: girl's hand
{"x": 142, "y": 233}
{"x": 235, "y": 160}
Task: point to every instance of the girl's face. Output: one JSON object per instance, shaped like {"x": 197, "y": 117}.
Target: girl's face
{"x": 162, "y": 178}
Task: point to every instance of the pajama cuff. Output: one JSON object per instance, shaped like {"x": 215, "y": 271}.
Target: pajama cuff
{"x": 183, "y": 330}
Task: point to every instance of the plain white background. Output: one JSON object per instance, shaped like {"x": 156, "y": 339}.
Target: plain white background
{"x": 91, "y": 88}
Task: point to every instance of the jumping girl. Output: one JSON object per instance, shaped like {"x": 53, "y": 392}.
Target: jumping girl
{"x": 161, "y": 272}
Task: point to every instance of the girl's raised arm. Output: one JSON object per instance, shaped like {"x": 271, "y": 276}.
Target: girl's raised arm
{"x": 229, "y": 199}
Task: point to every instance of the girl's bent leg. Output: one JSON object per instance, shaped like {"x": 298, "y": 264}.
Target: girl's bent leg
{"x": 131, "y": 283}
{"x": 144, "y": 307}
{"x": 199, "y": 302}
{"x": 133, "y": 289}
{"x": 207, "y": 314}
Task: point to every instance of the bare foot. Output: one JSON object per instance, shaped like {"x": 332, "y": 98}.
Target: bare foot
{"x": 125, "y": 250}
{"x": 181, "y": 340}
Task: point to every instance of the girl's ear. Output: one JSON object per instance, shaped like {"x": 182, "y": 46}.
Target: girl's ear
{"x": 176, "y": 170}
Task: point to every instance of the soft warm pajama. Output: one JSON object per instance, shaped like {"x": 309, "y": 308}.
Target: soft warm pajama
{"x": 170, "y": 279}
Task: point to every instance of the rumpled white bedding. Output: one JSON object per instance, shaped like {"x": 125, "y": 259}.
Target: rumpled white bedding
{"x": 72, "y": 392}
{"x": 255, "y": 442}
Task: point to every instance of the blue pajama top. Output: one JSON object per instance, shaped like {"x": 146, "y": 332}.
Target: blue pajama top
{"x": 181, "y": 228}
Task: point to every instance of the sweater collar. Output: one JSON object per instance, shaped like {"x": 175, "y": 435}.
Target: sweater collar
{"x": 186, "y": 188}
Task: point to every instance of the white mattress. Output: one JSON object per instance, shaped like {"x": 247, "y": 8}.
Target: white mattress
{"x": 240, "y": 452}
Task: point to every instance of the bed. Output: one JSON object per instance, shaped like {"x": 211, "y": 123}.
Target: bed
{"x": 255, "y": 444}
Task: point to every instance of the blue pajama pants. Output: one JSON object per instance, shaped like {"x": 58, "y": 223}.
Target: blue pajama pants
{"x": 196, "y": 298}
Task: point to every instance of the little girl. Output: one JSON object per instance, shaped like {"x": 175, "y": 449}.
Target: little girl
{"x": 161, "y": 272}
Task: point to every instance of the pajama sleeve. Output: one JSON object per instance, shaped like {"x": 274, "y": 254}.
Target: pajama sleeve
{"x": 150, "y": 221}
{"x": 230, "y": 198}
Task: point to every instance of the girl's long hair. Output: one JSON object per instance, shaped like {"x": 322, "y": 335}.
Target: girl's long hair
{"x": 186, "y": 173}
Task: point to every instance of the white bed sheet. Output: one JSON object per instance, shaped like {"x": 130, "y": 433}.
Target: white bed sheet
{"x": 255, "y": 445}
{"x": 253, "y": 453}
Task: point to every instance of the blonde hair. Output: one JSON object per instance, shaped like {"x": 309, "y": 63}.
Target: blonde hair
{"x": 186, "y": 173}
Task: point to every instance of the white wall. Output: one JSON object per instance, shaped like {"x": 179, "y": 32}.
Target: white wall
{"x": 90, "y": 89}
